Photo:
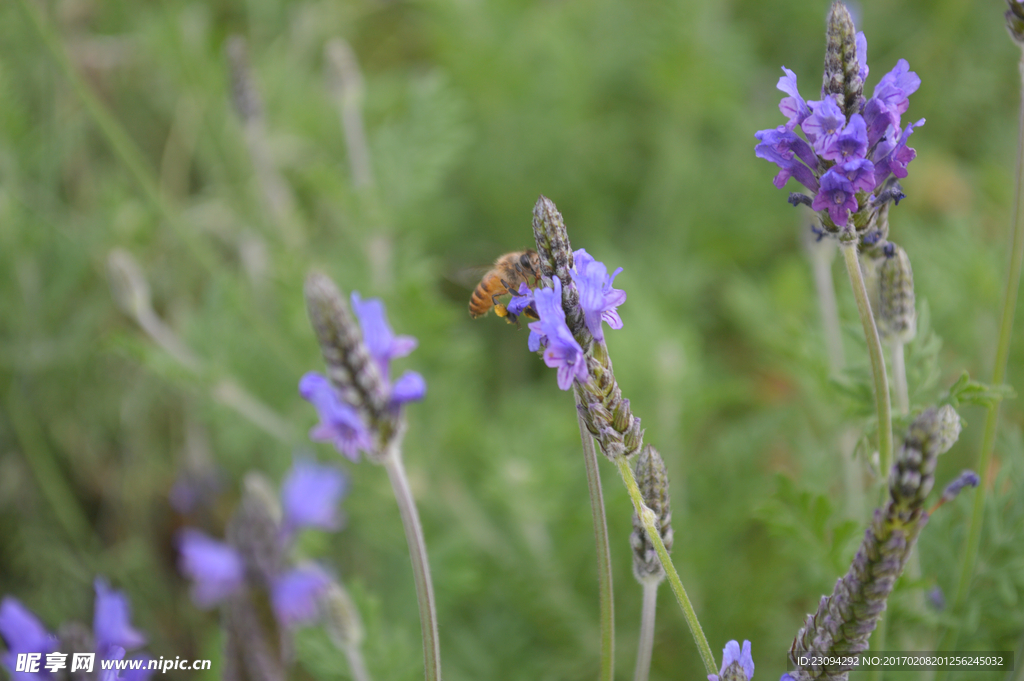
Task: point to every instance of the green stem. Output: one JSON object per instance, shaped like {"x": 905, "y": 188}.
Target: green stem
{"x": 356, "y": 663}
{"x": 849, "y": 249}
{"x": 988, "y": 440}
{"x": 606, "y": 600}
{"x": 418, "y": 555}
{"x": 651, "y": 525}
{"x": 646, "y": 645}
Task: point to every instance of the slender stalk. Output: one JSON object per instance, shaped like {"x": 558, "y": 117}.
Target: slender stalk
{"x": 970, "y": 554}
{"x": 418, "y": 555}
{"x": 356, "y": 663}
{"x": 899, "y": 379}
{"x": 651, "y": 525}
{"x": 646, "y": 644}
{"x": 606, "y": 599}
{"x": 882, "y": 404}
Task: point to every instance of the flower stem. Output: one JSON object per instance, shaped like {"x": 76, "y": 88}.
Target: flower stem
{"x": 356, "y": 663}
{"x": 418, "y": 554}
{"x": 650, "y": 522}
{"x": 646, "y": 644}
{"x": 970, "y": 554}
{"x": 849, "y": 249}
{"x": 604, "y": 559}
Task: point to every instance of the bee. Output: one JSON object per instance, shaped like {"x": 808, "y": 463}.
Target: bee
{"x": 509, "y": 271}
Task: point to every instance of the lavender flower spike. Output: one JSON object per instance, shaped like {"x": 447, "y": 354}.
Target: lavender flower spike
{"x": 737, "y": 664}
{"x": 597, "y": 297}
{"x": 844, "y": 621}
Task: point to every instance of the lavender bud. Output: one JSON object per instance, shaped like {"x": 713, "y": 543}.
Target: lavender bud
{"x": 341, "y": 617}
{"x": 244, "y": 94}
{"x": 1015, "y": 21}
{"x": 842, "y": 70}
{"x": 622, "y": 419}
{"x": 897, "y": 316}
{"x": 349, "y": 365}
{"x": 652, "y": 478}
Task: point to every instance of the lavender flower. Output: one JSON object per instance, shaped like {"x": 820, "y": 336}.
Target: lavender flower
{"x": 561, "y": 350}
{"x": 382, "y": 343}
{"x": 358, "y": 405}
{"x": 521, "y": 300}
{"x": 310, "y": 495}
{"x": 23, "y": 633}
{"x": 111, "y": 634}
{"x": 850, "y": 147}
{"x": 597, "y": 297}
{"x": 737, "y": 664}
{"x": 216, "y": 569}
{"x": 256, "y": 554}
{"x": 953, "y": 489}
{"x": 340, "y": 424}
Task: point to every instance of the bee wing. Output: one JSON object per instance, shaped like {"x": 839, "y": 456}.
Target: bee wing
{"x": 468, "y": 277}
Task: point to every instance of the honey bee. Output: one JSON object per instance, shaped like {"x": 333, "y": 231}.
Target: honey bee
{"x": 509, "y": 271}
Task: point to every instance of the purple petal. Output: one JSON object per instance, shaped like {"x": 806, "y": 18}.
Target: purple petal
{"x": 373, "y": 321}
{"x": 215, "y": 567}
{"x": 409, "y": 388}
{"x": 295, "y": 594}
{"x": 111, "y": 623}
{"x": 22, "y": 630}
{"x": 793, "y": 107}
{"x": 837, "y": 196}
{"x": 824, "y": 124}
{"x": 403, "y": 345}
{"x": 112, "y": 653}
{"x": 310, "y": 495}
{"x": 862, "y": 55}
{"x": 340, "y": 424}
{"x": 860, "y": 173}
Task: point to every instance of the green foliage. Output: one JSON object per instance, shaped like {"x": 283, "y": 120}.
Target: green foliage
{"x": 637, "y": 119}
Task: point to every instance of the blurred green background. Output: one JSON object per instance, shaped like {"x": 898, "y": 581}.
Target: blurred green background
{"x": 637, "y": 119}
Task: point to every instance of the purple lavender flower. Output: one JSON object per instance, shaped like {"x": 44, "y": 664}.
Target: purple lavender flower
{"x": 965, "y": 479}
{"x": 340, "y": 424}
{"x": 793, "y": 107}
{"x": 892, "y": 154}
{"x": 860, "y": 173}
{"x": 784, "y": 148}
{"x": 597, "y": 297}
{"x": 381, "y": 342}
{"x": 851, "y": 143}
{"x": 112, "y": 632}
{"x": 733, "y": 655}
{"x": 216, "y": 569}
{"x": 310, "y": 495}
{"x": 837, "y": 196}
{"x": 561, "y": 350}
{"x": 862, "y": 55}
{"x": 521, "y": 299}
{"x": 848, "y": 145}
{"x": 824, "y": 124}
{"x": 23, "y": 633}
{"x": 295, "y": 595}
{"x": 111, "y": 624}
